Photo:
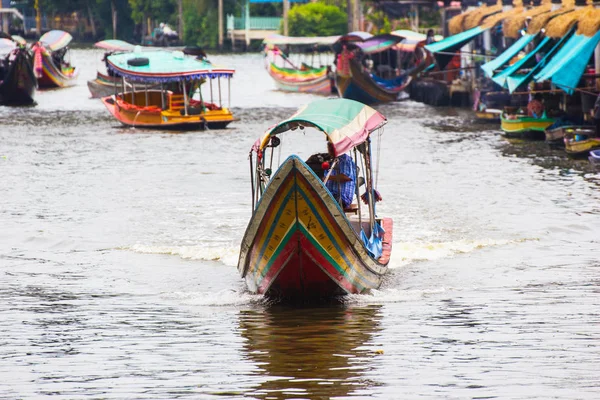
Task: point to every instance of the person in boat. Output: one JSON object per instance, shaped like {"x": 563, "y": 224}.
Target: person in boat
{"x": 535, "y": 108}
{"x": 430, "y": 37}
{"x": 342, "y": 179}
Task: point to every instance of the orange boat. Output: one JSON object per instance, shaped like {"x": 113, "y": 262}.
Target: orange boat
{"x": 179, "y": 102}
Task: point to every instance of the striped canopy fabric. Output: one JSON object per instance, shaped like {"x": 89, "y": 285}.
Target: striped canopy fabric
{"x": 56, "y": 40}
{"x": 165, "y": 66}
{"x": 411, "y": 40}
{"x": 346, "y": 123}
{"x": 115, "y": 45}
{"x": 379, "y": 43}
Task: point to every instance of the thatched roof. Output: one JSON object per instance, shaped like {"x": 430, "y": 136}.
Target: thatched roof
{"x": 540, "y": 21}
{"x": 559, "y": 26}
{"x": 589, "y": 23}
{"x": 471, "y": 19}
{"x": 495, "y": 19}
{"x": 513, "y": 25}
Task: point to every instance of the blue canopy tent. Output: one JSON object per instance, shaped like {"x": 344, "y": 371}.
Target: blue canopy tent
{"x": 444, "y": 50}
{"x": 566, "y": 72}
{"x": 490, "y": 67}
{"x": 515, "y": 80}
{"x": 528, "y": 61}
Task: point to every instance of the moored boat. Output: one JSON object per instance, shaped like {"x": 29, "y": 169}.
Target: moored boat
{"x": 555, "y": 136}
{"x": 309, "y": 75}
{"x": 17, "y": 80}
{"x": 357, "y": 77}
{"x": 104, "y": 83}
{"x": 308, "y": 237}
{"x": 579, "y": 144}
{"x": 52, "y": 62}
{"x": 523, "y": 126}
{"x": 488, "y": 115}
{"x": 173, "y": 105}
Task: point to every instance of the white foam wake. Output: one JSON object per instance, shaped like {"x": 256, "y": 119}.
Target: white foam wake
{"x": 228, "y": 255}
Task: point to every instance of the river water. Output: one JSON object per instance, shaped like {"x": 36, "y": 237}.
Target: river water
{"x": 118, "y": 252}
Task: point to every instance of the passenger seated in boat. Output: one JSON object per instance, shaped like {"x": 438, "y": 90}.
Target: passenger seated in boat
{"x": 535, "y": 108}
{"x": 342, "y": 181}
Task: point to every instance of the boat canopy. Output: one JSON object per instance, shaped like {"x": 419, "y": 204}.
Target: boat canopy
{"x": 281, "y": 40}
{"x": 566, "y": 72}
{"x": 55, "y": 40}
{"x": 352, "y": 37}
{"x": 379, "y": 43}
{"x": 346, "y": 123}
{"x": 115, "y": 45}
{"x": 6, "y": 45}
{"x": 164, "y": 66}
{"x": 411, "y": 40}
{"x": 444, "y": 49}
{"x": 491, "y": 66}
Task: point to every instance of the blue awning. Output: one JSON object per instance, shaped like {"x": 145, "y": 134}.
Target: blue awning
{"x": 566, "y": 72}
{"x": 515, "y": 80}
{"x": 561, "y": 56}
{"x": 490, "y": 67}
{"x": 526, "y": 62}
{"x": 444, "y": 49}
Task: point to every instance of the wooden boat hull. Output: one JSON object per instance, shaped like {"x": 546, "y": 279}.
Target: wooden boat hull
{"x": 103, "y": 85}
{"x": 52, "y": 76}
{"x": 19, "y": 85}
{"x": 300, "y": 245}
{"x": 356, "y": 85}
{"x": 556, "y": 136}
{"x": 525, "y": 127}
{"x": 488, "y": 116}
{"x": 167, "y": 119}
{"x": 315, "y": 81}
{"x": 581, "y": 148}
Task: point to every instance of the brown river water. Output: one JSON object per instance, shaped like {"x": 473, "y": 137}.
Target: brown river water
{"x": 118, "y": 252}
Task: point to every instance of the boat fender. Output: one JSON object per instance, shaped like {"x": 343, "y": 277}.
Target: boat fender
{"x": 138, "y": 61}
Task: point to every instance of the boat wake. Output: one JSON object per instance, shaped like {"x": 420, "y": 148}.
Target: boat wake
{"x": 408, "y": 252}
{"x": 227, "y": 255}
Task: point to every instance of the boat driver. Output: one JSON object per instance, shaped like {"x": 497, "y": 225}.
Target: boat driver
{"x": 342, "y": 181}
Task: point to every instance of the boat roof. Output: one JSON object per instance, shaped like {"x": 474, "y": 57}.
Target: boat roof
{"x": 115, "y": 45}
{"x": 281, "y": 40}
{"x": 346, "y": 123}
{"x": 165, "y": 66}
{"x": 6, "y": 45}
{"x": 411, "y": 39}
{"x": 368, "y": 43}
{"x": 55, "y": 40}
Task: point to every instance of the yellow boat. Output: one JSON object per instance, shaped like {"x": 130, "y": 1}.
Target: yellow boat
{"x": 523, "y": 126}
{"x": 173, "y": 106}
{"x": 579, "y": 145}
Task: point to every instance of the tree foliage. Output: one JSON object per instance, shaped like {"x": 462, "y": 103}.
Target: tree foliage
{"x": 317, "y": 19}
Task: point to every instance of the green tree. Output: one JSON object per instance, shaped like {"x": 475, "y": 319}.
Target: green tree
{"x": 317, "y": 19}
{"x": 201, "y": 21}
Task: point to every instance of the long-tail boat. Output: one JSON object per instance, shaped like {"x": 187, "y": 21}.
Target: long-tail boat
{"x": 309, "y": 75}
{"x": 51, "y": 60}
{"x": 303, "y": 242}
{"x": 358, "y": 77}
{"x": 17, "y": 79}
{"x": 104, "y": 84}
{"x": 173, "y": 105}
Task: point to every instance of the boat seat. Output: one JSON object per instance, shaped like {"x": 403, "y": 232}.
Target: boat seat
{"x": 351, "y": 209}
